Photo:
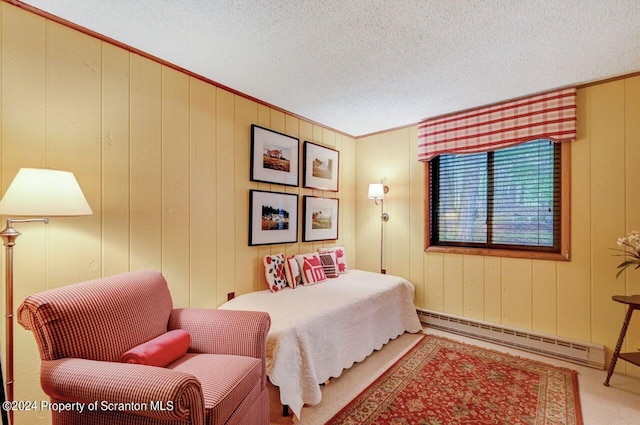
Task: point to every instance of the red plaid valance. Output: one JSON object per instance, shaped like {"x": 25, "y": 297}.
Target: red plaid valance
{"x": 550, "y": 115}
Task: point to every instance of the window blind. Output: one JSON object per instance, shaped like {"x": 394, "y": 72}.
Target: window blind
{"x": 509, "y": 198}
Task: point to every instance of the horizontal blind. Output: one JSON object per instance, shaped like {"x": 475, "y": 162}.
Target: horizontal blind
{"x": 550, "y": 115}
{"x": 505, "y": 199}
{"x": 462, "y": 202}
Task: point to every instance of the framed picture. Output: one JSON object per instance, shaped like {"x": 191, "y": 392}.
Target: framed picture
{"x": 274, "y": 157}
{"x": 320, "y": 167}
{"x": 320, "y": 220}
{"x": 273, "y": 217}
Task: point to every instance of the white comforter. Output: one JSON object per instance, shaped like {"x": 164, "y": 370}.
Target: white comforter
{"x": 318, "y": 331}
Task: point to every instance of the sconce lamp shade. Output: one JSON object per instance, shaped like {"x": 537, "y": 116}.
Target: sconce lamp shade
{"x": 44, "y": 192}
{"x": 376, "y": 191}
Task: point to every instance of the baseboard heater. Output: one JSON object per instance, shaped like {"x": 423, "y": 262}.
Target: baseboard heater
{"x": 586, "y": 354}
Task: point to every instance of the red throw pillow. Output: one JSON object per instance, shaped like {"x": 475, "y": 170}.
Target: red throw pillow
{"x": 311, "y": 268}
{"x": 160, "y": 351}
{"x": 329, "y": 263}
{"x": 341, "y": 258}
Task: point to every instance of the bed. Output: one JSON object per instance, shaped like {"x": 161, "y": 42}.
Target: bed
{"x": 318, "y": 331}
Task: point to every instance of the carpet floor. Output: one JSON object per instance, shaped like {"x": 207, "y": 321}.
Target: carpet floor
{"x": 441, "y": 381}
{"x": 618, "y": 404}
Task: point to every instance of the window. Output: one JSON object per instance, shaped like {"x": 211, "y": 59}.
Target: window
{"x": 509, "y": 202}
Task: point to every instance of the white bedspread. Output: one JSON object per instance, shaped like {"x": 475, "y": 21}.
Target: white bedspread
{"x": 318, "y": 331}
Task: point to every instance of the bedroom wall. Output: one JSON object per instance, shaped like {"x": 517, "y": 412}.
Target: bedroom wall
{"x": 569, "y": 299}
{"x": 163, "y": 159}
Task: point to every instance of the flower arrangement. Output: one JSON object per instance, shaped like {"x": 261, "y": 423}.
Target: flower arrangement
{"x": 632, "y": 256}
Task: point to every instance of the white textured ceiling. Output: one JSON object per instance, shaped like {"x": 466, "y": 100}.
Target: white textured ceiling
{"x": 364, "y": 66}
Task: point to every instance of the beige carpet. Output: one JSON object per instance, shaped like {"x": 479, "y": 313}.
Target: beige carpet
{"x": 616, "y": 405}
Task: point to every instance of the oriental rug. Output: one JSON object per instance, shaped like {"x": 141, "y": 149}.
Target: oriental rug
{"x": 445, "y": 382}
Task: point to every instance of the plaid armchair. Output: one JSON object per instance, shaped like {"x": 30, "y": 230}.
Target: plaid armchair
{"x": 82, "y": 330}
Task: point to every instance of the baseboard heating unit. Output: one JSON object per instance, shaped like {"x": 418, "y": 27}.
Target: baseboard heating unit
{"x": 586, "y": 354}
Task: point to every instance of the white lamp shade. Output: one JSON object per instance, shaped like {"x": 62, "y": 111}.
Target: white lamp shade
{"x": 376, "y": 191}
{"x": 44, "y": 192}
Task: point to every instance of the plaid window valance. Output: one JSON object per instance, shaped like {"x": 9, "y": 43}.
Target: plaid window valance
{"x": 550, "y": 115}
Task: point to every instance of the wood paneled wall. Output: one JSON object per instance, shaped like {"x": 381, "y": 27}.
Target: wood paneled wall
{"x": 568, "y": 299}
{"x": 163, "y": 159}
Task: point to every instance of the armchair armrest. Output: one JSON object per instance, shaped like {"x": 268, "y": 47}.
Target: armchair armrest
{"x": 242, "y": 333}
{"x": 109, "y": 384}
{"x": 214, "y": 331}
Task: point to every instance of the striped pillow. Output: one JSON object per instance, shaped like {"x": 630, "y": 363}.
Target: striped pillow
{"x": 341, "y": 257}
{"x": 329, "y": 264}
{"x": 292, "y": 272}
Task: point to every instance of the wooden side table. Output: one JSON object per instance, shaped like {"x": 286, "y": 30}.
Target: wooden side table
{"x": 633, "y": 302}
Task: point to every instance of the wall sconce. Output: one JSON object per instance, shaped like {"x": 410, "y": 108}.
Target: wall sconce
{"x": 377, "y": 192}
{"x": 40, "y": 193}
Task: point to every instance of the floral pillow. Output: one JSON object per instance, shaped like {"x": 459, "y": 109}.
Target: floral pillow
{"x": 292, "y": 272}
{"x": 274, "y": 272}
{"x": 311, "y": 268}
{"x": 341, "y": 257}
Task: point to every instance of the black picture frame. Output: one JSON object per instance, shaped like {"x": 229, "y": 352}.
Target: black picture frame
{"x": 321, "y": 167}
{"x": 275, "y": 157}
{"x": 320, "y": 218}
{"x": 273, "y": 217}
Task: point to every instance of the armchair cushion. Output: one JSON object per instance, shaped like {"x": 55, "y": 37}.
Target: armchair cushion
{"x": 234, "y": 332}
{"x": 226, "y": 380}
{"x": 161, "y": 350}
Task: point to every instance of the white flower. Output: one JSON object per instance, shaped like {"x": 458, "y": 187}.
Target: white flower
{"x": 632, "y": 256}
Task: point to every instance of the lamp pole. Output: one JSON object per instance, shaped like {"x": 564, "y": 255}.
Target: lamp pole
{"x": 377, "y": 192}
{"x": 9, "y": 236}
{"x": 383, "y": 217}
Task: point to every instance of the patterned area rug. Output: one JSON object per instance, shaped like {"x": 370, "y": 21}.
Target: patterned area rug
{"x": 445, "y": 382}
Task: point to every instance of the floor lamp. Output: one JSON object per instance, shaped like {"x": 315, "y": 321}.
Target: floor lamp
{"x": 41, "y": 193}
{"x": 376, "y": 192}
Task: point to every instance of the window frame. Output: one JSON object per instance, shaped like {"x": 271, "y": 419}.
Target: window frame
{"x": 565, "y": 220}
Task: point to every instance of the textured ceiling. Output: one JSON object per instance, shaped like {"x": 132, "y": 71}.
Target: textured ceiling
{"x": 365, "y": 66}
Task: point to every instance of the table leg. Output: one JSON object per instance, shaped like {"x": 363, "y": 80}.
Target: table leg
{"x": 616, "y": 353}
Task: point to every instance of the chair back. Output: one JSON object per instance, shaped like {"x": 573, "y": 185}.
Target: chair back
{"x": 98, "y": 319}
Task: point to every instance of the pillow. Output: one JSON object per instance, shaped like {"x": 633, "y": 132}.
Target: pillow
{"x": 310, "y": 268}
{"x": 160, "y": 351}
{"x": 292, "y": 272}
{"x": 329, "y": 265}
{"x": 341, "y": 257}
{"x": 274, "y": 272}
